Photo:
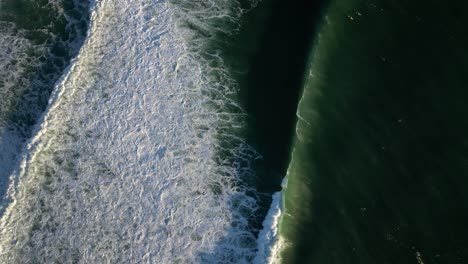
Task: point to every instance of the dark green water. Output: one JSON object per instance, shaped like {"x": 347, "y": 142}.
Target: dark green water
{"x": 268, "y": 57}
{"x": 379, "y": 162}
{"x": 380, "y": 165}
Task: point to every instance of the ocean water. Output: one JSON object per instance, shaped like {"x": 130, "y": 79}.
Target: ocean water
{"x": 378, "y": 170}
{"x": 233, "y": 131}
{"x": 155, "y": 144}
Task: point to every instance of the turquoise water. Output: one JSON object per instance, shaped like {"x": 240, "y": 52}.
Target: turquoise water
{"x": 378, "y": 171}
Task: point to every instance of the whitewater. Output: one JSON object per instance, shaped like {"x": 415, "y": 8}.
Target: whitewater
{"x": 33, "y": 55}
{"x": 138, "y": 157}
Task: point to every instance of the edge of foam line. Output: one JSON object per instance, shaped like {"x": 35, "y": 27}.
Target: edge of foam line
{"x": 269, "y": 242}
{"x": 29, "y": 148}
{"x": 268, "y": 237}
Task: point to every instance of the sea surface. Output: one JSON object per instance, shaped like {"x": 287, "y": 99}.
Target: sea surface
{"x": 233, "y": 131}
{"x": 378, "y": 171}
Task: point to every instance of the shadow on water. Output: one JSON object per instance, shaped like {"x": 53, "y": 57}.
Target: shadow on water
{"x": 61, "y": 35}
{"x": 268, "y": 59}
{"x": 274, "y": 43}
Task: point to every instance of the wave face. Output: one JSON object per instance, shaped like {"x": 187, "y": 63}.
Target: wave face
{"x": 138, "y": 157}
{"x": 378, "y": 170}
{"x": 37, "y": 41}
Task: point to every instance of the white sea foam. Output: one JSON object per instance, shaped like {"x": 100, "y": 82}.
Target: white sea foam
{"x": 269, "y": 241}
{"x": 269, "y": 234}
{"x": 123, "y": 167}
{"x": 22, "y": 86}
{"x": 14, "y": 60}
